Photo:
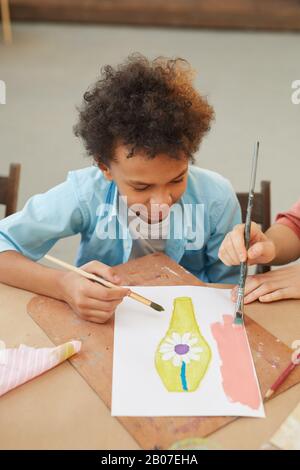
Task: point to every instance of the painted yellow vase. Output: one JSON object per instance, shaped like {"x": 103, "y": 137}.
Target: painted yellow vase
{"x": 183, "y": 356}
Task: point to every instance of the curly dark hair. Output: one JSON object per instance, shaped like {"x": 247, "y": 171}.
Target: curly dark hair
{"x": 151, "y": 106}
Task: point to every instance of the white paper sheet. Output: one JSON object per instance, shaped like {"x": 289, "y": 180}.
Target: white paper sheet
{"x": 137, "y": 387}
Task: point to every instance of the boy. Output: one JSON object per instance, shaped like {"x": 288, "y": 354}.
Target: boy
{"x": 141, "y": 123}
{"x": 279, "y": 245}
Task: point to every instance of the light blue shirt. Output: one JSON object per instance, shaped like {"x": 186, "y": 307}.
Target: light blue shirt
{"x": 86, "y": 203}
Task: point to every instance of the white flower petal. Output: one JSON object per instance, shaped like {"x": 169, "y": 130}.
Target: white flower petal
{"x": 196, "y": 350}
{"x": 186, "y": 355}
{"x": 168, "y": 355}
{"x": 170, "y": 340}
{"x": 195, "y": 357}
{"x": 193, "y": 341}
{"x": 177, "y": 360}
{"x": 185, "y": 338}
{"x": 166, "y": 347}
{"x": 176, "y": 338}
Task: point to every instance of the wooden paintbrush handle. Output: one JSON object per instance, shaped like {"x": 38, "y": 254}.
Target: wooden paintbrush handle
{"x": 93, "y": 277}
{"x": 139, "y": 298}
{"x": 80, "y": 271}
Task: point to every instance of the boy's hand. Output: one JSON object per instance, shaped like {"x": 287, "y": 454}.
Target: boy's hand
{"x": 90, "y": 300}
{"x": 279, "y": 284}
{"x": 233, "y": 250}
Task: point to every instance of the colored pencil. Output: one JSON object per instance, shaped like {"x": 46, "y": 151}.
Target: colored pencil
{"x": 281, "y": 378}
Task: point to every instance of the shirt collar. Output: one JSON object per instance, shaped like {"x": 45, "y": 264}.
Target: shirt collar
{"x": 108, "y": 208}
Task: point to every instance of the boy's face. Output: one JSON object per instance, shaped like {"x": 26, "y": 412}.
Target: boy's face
{"x": 154, "y": 184}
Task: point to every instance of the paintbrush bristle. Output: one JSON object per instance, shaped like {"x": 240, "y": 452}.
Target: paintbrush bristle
{"x": 157, "y": 307}
{"x": 238, "y": 319}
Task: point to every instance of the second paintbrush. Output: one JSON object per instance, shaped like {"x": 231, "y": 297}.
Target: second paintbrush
{"x": 239, "y": 309}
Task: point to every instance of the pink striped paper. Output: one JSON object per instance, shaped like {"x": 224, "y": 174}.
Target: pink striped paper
{"x": 19, "y": 365}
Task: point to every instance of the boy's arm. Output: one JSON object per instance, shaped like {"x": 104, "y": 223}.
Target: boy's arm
{"x": 28, "y": 235}
{"x": 91, "y": 301}
{"x": 18, "y": 271}
{"x": 44, "y": 220}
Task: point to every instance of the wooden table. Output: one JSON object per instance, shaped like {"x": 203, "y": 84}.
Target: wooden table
{"x": 59, "y": 410}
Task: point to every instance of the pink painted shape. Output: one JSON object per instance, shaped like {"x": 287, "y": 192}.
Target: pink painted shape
{"x": 239, "y": 381}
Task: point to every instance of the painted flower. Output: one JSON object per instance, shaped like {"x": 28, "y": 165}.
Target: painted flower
{"x": 180, "y": 348}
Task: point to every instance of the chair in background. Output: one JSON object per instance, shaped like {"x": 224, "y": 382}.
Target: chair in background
{"x": 6, "y": 24}
{"x": 9, "y": 188}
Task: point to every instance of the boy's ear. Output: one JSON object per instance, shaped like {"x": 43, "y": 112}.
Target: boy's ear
{"x": 105, "y": 170}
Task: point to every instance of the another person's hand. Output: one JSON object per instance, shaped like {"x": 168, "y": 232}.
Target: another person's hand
{"x": 233, "y": 251}
{"x": 90, "y": 300}
{"x": 283, "y": 283}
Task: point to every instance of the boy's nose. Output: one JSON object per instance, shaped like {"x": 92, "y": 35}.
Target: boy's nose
{"x": 161, "y": 200}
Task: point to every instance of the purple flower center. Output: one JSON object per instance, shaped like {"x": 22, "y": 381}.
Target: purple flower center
{"x": 182, "y": 348}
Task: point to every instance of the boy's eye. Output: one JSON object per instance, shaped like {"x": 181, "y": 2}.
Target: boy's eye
{"x": 143, "y": 188}
{"x": 178, "y": 181}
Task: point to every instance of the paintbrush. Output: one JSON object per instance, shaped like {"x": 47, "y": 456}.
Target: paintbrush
{"x": 103, "y": 282}
{"x": 239, "y": 308}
